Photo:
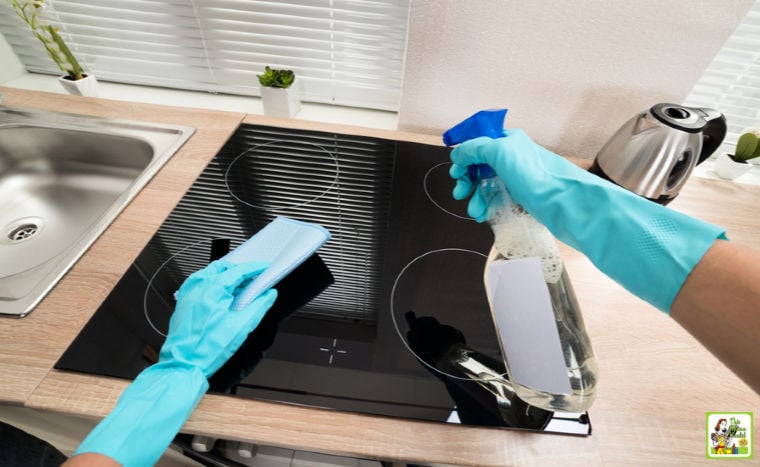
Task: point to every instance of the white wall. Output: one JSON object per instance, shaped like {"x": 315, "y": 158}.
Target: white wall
{"x": 10, "y": 65}
{"x": 570, "y": 72}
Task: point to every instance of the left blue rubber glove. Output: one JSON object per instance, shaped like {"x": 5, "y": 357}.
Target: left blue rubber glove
{"x": 203, "y": 334}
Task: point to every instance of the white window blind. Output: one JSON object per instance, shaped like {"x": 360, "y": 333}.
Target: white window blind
{"x": 293, "y": 173}
{"x": 731, "y": 83}
{"x": 344, "y": 52}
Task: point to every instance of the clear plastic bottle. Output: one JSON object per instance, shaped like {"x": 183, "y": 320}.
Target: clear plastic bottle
{"x": 518, "y": 235}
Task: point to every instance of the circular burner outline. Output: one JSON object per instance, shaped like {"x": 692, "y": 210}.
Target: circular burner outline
{"x": 430, "y": 197}
{"x": 161, "y": 268}
{"x": 395, "y": 323}
{"x": 275, "y": 142}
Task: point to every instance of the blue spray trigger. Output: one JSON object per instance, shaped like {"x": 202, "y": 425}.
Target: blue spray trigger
{"x": 483, "y": 123}
{"x": 476, "y": 171}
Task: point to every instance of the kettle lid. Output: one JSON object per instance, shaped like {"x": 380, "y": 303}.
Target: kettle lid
{"x": 687, "y": 119}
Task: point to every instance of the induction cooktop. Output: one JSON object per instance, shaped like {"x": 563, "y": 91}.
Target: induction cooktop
{"x": 389, "y": 318}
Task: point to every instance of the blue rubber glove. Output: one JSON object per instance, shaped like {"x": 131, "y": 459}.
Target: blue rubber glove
{"x": 203, "y": 334}
{"x": 647, "y": 248}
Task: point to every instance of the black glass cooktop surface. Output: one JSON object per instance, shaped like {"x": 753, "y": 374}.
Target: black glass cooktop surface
{"x": 389, "y": 318}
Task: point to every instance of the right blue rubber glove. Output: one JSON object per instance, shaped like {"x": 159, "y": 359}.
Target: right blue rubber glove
{"x": 647, "y": 248}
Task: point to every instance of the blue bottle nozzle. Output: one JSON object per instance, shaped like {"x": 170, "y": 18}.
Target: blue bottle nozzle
{"x": 483, "y": 123}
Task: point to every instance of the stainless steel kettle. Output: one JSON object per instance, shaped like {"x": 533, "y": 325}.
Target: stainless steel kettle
{"x": 653, "y": 153}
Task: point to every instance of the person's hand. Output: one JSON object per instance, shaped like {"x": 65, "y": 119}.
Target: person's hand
{"x": 533, "y": 175}
{"x": 203, "y": 333}
{"x": 646, "y": 247}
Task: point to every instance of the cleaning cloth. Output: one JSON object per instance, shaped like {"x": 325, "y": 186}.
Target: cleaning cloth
{"x": 284, "y": 243}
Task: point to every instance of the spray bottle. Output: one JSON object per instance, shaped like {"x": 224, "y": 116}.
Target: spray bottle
{"x": 543, "y": 339}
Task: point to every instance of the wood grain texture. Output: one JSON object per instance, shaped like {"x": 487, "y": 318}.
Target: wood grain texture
{"x": 332, "y": 432}
{"x": 656, "y": 381}
{"x": 344, "y": 129}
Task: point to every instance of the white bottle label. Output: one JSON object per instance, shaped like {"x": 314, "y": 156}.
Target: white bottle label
{"x": 522, "y": 312}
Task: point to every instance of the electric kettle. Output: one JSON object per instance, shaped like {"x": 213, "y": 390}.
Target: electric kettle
{"x": 654, "y": 152}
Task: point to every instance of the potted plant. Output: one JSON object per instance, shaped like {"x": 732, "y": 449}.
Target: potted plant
{"x": 278, "y": 93}
{"x": 75, "y": 81}
{"x": 731, "y": 166}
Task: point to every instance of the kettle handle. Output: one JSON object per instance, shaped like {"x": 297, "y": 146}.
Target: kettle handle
{"x": 712, "y": 133}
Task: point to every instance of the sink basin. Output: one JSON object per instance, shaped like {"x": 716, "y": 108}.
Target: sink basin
{"x": 63, "y": 179}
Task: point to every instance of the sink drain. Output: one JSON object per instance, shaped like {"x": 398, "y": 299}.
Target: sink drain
{"x": 22, "y": 229}
{"x": 23, "y": 232}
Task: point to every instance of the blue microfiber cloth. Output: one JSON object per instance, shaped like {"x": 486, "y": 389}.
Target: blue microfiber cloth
{"x": 284, "y": 243}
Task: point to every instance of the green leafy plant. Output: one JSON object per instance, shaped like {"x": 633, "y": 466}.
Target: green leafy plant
{"x": 276, "y": 78}
{"x": 747, "y": 146}
{"x": 30, "y": 12}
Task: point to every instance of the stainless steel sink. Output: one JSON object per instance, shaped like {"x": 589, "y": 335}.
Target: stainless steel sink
{"x": 63, "y": 179}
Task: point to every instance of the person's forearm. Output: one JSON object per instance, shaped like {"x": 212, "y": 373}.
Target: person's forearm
{"x": 719, "y": 304}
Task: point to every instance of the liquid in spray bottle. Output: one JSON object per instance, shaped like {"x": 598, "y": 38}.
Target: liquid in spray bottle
{"x": 543, "y": 339}
{"x": 547, "y": 351}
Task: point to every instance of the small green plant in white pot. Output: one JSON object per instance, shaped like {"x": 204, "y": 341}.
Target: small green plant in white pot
{"x": 731, "y": 166}
{"x": 75, "y": 80}
{"x": 279, "y": 93}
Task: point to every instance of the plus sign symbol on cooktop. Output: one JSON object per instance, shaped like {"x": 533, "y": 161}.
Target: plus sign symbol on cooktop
{"x": 332, "y": 351}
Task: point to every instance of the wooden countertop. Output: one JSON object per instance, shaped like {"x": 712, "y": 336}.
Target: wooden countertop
{"x": 656, "y": 381}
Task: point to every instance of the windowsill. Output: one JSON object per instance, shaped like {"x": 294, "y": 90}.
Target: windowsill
{"x": 204, "y": 100}
{"x": 705, "y": 170}
{"x": 252, "y": 105}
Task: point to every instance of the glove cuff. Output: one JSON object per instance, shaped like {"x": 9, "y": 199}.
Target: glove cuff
{"x": 647, "y": 248}
{"x": 148, "y": 415}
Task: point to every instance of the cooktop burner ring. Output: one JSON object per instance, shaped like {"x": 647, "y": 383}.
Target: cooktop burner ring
{"x": 161, "y": 268}
{"x": 249, "y": 151}
{"x": 395, "y": 322}
{"x": 432, "y": 199}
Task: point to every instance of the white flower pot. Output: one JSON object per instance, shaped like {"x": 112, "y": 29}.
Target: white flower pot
{"x": 87, "y": 86}
{"x": 280, "y": 102}
{"x": 729, "y": 169}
